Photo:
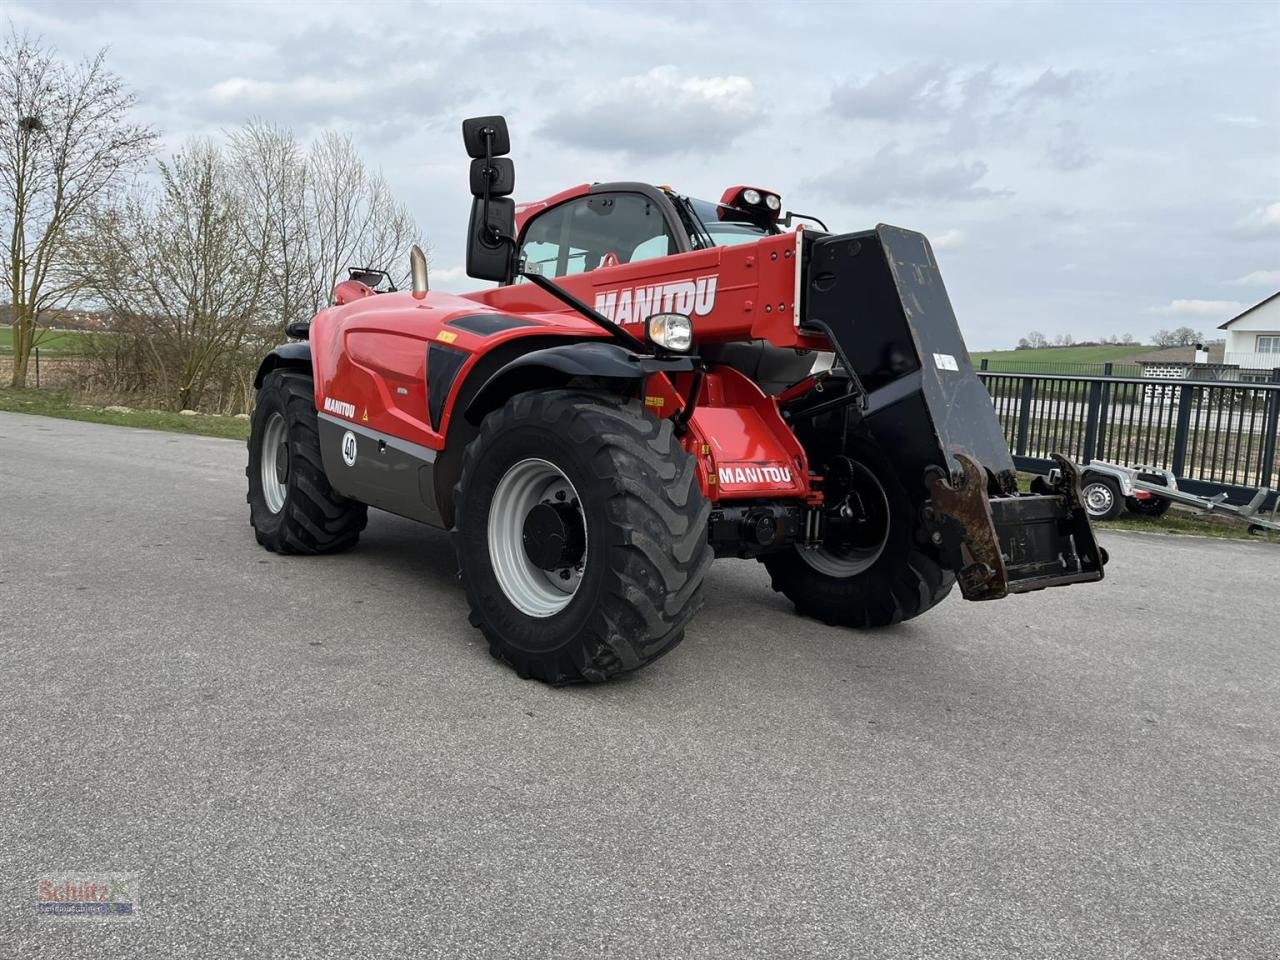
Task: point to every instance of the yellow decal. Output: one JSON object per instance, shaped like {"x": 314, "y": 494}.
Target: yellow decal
{"x": 711, "y": 479}
{"x": 364, "y": 417}
{"x": 653, "y": 401}
{"x": 446, "y": 336}
{"x": 706, "y": 449}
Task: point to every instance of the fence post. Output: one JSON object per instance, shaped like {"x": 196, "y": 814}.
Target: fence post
{"x": 983, "y": 363}
{"x": 1024, "y": 418}
{"x": 37, "y": 353}
{"x": 1106, "y": 369}
{"x": 1271, "y": 429}
{"x": 1092, "y": 420}
{"x": 1182, "y": 431}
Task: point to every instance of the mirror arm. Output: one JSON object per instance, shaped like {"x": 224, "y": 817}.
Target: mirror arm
{"x": 599, "y": 319}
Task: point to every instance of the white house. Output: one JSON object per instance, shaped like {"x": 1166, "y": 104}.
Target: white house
{"x": 1253, "y": 337}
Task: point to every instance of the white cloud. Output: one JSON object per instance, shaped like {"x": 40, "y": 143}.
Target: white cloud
{"x": 1240, "y": 120}
{"x": 1260, "y": 222}
{"x": 663, "y": 111}
{"x": 892, "y": 174}
{"x": 1258, "y": 278}
{"x": 247, "y": 93}
{"x": 1199, "y": 308}
{"x": 948, "y": 239}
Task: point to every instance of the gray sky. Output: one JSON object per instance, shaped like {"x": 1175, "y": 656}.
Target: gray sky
{"x": 1081, "y": 168}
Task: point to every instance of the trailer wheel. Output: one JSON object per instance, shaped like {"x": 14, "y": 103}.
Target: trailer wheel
{"x": 1154, "y": 507}
{"x": 581, "y": 534}
{"x": 873, "y": 573}
{"x": 292, "y": 508}
{"x": 1101, "y": 496}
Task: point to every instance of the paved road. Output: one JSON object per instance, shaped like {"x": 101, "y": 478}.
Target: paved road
{"x": 317, "y": 758}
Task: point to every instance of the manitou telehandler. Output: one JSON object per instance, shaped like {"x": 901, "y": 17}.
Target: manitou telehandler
{"x": 656, "y": 381}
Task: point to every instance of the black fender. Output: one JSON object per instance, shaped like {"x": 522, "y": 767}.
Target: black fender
{"x": 597, "y": 359}
{"x": 296, "y": 355}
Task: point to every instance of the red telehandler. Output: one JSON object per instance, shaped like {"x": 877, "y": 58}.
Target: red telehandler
{"x": 656, "y": 381}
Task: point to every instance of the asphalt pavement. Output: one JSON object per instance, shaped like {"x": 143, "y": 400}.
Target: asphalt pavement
{"x": 316, "y": 757}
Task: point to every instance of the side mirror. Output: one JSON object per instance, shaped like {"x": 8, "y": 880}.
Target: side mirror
{"x": 497, "y": 175}
{"x": 490, "y": 238}
{"x": 491, "y": 234}
{"x": 486, "y": 136}
{"x": 418, "y": 271}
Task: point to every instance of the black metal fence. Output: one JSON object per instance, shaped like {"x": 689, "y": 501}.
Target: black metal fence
{"x": 1214, "y": 437}
{"x": 1069, "y": 367}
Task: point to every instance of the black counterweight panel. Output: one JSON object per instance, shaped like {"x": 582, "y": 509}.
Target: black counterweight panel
{"x": 881, "y": 296}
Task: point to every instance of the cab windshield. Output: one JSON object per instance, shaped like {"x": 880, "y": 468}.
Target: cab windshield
{"x": 716, "y": 225}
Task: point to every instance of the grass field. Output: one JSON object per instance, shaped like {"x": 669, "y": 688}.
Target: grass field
{"x": 1104, "y": 354}
{"x": 54, "y": 341}
{"x": 48, "y": 403}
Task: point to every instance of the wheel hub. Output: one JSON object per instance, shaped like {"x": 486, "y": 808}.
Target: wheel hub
{"x": 857, "y": 521}
{"x": 282, "y": 462}
{"x": 553, "y": 535}
{"x": 1098, "y": 498}
{"x": 537, "y": 537}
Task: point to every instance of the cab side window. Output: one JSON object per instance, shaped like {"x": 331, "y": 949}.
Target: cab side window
{"x": 577, "y": 236}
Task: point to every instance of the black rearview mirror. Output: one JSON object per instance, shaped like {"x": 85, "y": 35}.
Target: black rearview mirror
{"x": 490, "y": 239}
{"x": 498, "y": 175}
{"x": 480, "y": 133}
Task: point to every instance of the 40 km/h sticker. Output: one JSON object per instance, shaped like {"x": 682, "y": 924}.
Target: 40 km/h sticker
{"x": 349, "y": 449}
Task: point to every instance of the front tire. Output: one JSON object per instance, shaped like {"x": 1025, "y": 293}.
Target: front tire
{"x": 581, "y": 534}
{"x": 874, "y": 574}
{"x": 292, "y": 507}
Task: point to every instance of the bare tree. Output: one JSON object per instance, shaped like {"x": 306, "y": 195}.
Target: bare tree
{"x": 180, "y": 272}
{"x": 1185, "y": 336}
{"x": 1036, "y": 340}
{"x": 271, "y": 174}
{"x": 65, "y": 141}
{"x": 1165, "y": 338}
{"x": 1127, "y": 338}
{"x": 318, "y": 213}
{"x": 352, "y": 218}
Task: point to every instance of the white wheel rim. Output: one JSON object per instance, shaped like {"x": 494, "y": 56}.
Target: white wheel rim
{"x": 850, "y": 563}
{"x": 275, "y": 463}
{"x": 531, "y": 589}
{"x": 1098, "y": 498}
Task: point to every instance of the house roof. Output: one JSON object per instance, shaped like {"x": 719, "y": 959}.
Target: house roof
{"x": 1181, "y": 354}
{"x": 1248, "y": 311}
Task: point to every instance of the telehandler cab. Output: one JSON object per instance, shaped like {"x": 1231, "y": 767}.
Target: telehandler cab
{"x": 656, "y": 381}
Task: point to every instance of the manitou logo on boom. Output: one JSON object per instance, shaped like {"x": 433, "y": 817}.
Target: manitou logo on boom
{"x": 693, "y": 298}
{"x": 752, "y": 475}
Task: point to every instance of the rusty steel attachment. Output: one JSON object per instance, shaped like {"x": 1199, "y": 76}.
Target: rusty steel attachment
{"x": 1011, "y": 544}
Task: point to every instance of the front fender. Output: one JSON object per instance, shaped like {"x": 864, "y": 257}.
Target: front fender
{"x": 297, "y": 355}
{"x": 591, "y": 358}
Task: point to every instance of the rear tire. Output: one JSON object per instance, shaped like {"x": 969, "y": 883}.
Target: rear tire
{"x": 292, "y": 507}
{"x": 616, "y": 482}
{"x": 883, "y": 583}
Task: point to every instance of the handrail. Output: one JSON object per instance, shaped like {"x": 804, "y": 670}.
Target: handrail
{"x": 1144, "y": 381}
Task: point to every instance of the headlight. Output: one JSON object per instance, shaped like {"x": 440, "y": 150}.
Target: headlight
{"x": 671, "y": 331}
{"x": 772, "y": 202}
{"x": 751, "y": 196}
